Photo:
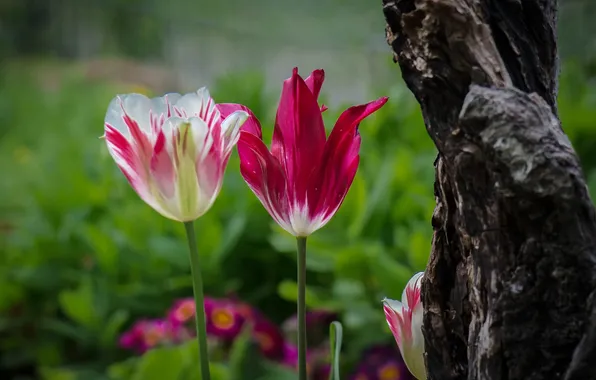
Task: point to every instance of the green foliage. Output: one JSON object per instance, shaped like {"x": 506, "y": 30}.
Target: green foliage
{"x": 82, "y": 256}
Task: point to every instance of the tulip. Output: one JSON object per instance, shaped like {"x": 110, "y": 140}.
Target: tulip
{"x": 304, "y": 178}
{"x": 405, "y": 321}
{"x": 173, "y": 150}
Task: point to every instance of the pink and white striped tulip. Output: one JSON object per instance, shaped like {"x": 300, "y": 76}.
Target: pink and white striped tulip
{"x": 173, "y": 150}
{"x": 405, "y": 321}
{"x": 305, "y": 177}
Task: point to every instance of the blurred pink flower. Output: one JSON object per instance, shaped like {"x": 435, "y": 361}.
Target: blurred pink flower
{"x": 317, "y": 326}
{"x": 268, "y": 336}
{"x": 226, "y": 317}
{"x": 223, "y": 319}
{"x": 146, "y": 334}
{"x": 182, "y": 311}
{"x": 318, "y": 366}
{"x": 290, "y": 355}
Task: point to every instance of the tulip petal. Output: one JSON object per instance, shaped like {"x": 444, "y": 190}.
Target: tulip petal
{"x": 265, "y": 177}
{"x": 230, "y": 130}
{"x": 315, "y": 82}
{"x": 136, "y": 106}
{"x": 251, "y": 125}
{"x": 395, "y": 320}
{"x": 162, "y": 165}
{"x": 126, "y": 158}
{"x": 411, "y": 294}
{"x": 299, "y": 136}
{"x": 339, "y": 162}
{"x": 198, "y": 104}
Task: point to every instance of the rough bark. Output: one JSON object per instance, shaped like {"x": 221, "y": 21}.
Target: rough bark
{"x": 509, "y": 288}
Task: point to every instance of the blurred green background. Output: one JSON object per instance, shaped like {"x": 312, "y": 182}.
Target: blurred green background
{"x": 82, "y": 257}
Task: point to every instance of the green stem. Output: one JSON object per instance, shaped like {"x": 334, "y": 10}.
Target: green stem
{"x": 197, "y": 285}
{"x": 301, "y": 245}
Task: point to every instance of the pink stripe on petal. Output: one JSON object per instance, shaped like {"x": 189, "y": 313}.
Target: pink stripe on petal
{"x": 264, "y": 176}
{"x": 162, "y": 167}
{"x": 140, "y": 141}
{"x": 394, "y": 321}
{"x": 125, "y": 157}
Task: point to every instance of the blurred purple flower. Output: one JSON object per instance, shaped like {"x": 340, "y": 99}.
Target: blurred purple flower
{"x": 223, "y": 319}
{"x": 290, "y": 355}
{"x": 382, "y": 363}
{"x": 146, "y": 334}
{"x": 318, "y": 366}
{"x": 226, "y": 318}
{"x": 322, "y": 372}
{"x": 266, "y": 333}
{"x": 317, "y": 326}
{"x": 183, "y": 311}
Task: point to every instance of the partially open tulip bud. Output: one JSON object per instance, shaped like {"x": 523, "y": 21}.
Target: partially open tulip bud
{"x": 173, "y": 150}
{"x": 405, "y": 321}
{"x": 306, "y": 175}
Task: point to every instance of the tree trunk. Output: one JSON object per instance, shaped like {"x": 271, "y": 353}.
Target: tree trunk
{"x": 509, "y": 288}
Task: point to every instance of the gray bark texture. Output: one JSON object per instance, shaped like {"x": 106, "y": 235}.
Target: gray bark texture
{"x": 509, "y": 288}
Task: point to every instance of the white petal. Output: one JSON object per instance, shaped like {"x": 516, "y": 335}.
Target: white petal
{"x": 394, "y": 305}
{"x": 413, "y": 283}
{"x": 202, "y": 138}
{"x": 139, "y": 108}
{"x": 230, "y": 129}
{"x": 199, "y": 104}
{"x": 166, "y": 103}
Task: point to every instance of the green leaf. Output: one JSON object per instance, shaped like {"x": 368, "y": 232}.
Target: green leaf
{"x": 106, "y": 252}
{"x": 78, "y": 304}
{"x": 335, "y": 338}
{"x": 276, "y": 371}
{"x": 231, "y": 234}
{"x": 245, "y": 359}
{"x": 122, "y": 370}
{"x": 390, "y": 274}
{"x": 288, "y": 290}
{"x": 419, "y": 251}
{"x": 112, "y": 327}
{"x": 57, "y": 374}
{"x": 160, "y": 363}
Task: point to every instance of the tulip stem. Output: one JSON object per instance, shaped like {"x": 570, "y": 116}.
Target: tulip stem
{"x": 197, "y": 285}
{"x": 301, "y": 245}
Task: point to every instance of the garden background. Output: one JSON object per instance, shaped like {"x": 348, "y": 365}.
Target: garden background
{"x": 82, "y": 258}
